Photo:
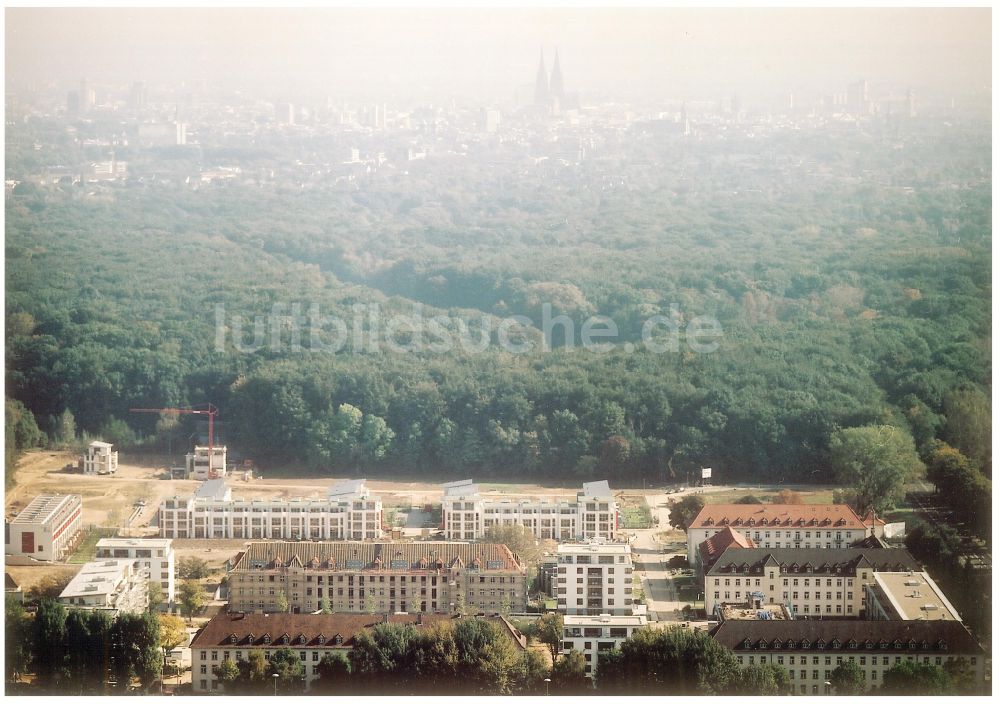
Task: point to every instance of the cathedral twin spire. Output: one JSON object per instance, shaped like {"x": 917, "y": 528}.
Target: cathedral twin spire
{"x": 546, "y": 87}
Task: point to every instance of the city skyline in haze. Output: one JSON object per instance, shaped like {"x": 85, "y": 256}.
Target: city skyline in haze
{"x": 489, "y": 54}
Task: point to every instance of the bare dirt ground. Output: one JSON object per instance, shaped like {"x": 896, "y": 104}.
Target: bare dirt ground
{"x": 108, "y": 501}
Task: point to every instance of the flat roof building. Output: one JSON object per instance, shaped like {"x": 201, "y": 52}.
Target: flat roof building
{"x": 46, "y": 528}
{"x": 592, "y": 635}
{"x": 100, "y": 459}
{"x": 112, "y": 585}
{"x": 468, "y": 515}
{"x": 156, "y": 556}
{"x": 594, "y": 578}
{"x": 348, "y": 511}
{"x": 201, "y": 467}
{"x": 907, "y": 596}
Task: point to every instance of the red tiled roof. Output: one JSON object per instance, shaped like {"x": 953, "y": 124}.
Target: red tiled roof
{"x": 742, "y": 516}
{"x": 713, "y": 548}
{"x": 868, "y": 519}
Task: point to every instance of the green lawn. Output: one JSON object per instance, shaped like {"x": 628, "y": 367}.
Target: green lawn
{"x": 729, "y": 497}
{"x": 87, "y": 548}
{"x": 637, "y": 517}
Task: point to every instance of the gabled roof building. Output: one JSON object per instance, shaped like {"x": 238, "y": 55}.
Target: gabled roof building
{"x": 811, "y": 650}
{"x": 783, "y": 525}
{"x": 811, "y": 583}
{"x": 383, "y": 577}
{"x": 311, "y": 636}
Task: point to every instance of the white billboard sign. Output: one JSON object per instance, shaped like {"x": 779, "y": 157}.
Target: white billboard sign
{"x": 706, "y": 472}
{"x": 894, "y": 530}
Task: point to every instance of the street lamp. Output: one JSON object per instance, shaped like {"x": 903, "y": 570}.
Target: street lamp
{"x": 275, "y": 676}
{"x": 547, "y": 680}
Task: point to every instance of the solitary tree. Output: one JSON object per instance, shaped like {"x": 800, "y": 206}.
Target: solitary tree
{"x": 192, "y": 568}
{"x": 334, "y": 671}
{"x": 155, "y": 595}
{"x": 684, "y": 511}
{"x": 285, "y": 663}
{"x": 228, "y": 674}
{"x": 848, "y": 679}
{"x": 191, "y": 597}
{"x": 281, "y": 602}
{"x": 569, "y": 674}
{"x": 760, "y": 679}
{"x": 549, "y": 628}
{"x": 172, "y": 633}
{"x": 876, "y": 460}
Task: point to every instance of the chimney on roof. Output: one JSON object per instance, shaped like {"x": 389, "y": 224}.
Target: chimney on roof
{"x": 420, "y": 618}
{"x": 385, "y": 617}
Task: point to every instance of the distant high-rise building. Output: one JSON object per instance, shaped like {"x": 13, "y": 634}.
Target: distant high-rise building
{"x": 541, "y": 81}
{"x": 490, "y": 120}
{"x": 137, "y": 96}
{"x": 73, "y": 102}
{"x": 88, "y": 98}
{"x": 857, "y": 98}
{"x": 556, "y": 82}
{"x": 285, "y": 113}
{"x": 911, "y": 103}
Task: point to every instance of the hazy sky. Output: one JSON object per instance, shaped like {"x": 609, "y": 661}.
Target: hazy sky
{"x": 678, "y": 53}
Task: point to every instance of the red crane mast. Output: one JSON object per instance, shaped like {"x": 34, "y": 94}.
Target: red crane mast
{"x": 211, "y": 411}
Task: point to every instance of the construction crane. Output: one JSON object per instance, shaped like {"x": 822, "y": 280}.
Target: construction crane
{"x": 211, "y": 411}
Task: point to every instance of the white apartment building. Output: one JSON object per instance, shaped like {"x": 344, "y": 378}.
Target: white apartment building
{"x": 155, "y": 555}
{"x": 811, "y": 650}
{"x": 594, "y": 578}
{"x": 813, "y": 583}
{"x": 467, "y": 514}
{"x": 907, "y": 596}
{"x": 100, "y": 459}
{"x": 201, "y": 467}
{"x": 784, "y": 525}
{"x": 347, "y": 512}
{"x": 113, "y": 585}
{"x": 592, "y": 635}
{"x": 46, "y": 527}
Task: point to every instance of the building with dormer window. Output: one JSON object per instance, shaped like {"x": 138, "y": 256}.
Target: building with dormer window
{"x": 811, "y": 650}
{"x": 784, "y": 525}
{"x": 380, "y": 577}
{"x": 814, "y": 583}
{"x": 310, "y": 636}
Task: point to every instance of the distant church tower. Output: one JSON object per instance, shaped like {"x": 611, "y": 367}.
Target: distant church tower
{"x": 542, "y": 81}
{"x": 556, "y": 82}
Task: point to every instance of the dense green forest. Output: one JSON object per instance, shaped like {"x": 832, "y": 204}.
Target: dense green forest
{"x": 849, "y": 271}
